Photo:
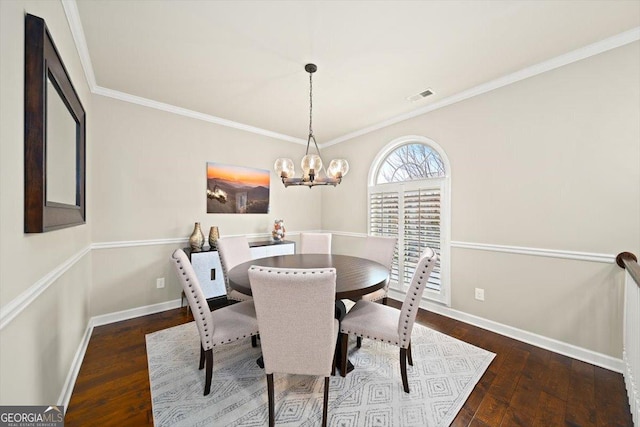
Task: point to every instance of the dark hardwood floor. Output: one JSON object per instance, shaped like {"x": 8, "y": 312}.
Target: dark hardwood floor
{"x": 523, "y": 386}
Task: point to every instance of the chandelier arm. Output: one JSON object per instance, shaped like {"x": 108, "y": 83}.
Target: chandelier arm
{"x": 316, "y": 144}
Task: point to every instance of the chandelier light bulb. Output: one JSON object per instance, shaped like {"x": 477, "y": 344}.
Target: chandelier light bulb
{"x": 338, "y": 168}
{"x": 284, "y": 168}
{"x": 311, "y": 161}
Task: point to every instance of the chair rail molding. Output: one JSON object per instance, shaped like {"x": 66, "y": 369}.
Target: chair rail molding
{"x": 12, "y": 309}
{"x": 550, "y": 253}
{"x": 520, "y": 250}
{"x": 173, "y": 241}
{"x": 344, "y": 233}
{"x": 135, "y": 243}
{"x": 18, "y": 304}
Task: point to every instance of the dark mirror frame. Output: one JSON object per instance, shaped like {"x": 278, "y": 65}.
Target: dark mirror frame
{"x": 42, "y": 61}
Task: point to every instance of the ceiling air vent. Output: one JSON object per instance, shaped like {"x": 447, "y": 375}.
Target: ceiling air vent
{"x": 421, "y": 95}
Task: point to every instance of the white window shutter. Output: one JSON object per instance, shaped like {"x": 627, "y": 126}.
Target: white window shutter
{"x": 422, "y": 221}
{"x": 384, "y": 219}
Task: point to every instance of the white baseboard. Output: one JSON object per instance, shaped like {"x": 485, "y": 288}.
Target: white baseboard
{"x": 132, "y": 313}
{"x": 551, "y": 344}
{"x": 67, "y": 388}
{"x": 70, "y": 381}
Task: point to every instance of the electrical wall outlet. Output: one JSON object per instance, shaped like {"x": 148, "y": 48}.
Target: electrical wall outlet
{"x": 160, "y": 283}
{"x": 480, "y": 294}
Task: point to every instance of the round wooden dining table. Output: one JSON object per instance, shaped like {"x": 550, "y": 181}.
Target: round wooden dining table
{"x": 354, "y": 276}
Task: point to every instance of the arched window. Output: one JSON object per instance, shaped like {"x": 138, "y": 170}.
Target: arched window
{"x": 409, "y": 162}
{"x": 409, "y": 199}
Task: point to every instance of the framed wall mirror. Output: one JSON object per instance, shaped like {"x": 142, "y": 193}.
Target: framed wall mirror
{"x": 54, "y": 137}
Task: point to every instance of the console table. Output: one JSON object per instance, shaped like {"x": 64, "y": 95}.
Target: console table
{"x": 206, "y": 263}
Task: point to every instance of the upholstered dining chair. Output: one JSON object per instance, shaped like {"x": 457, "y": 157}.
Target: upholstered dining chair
{"x": 381, "y": 250}
{"x": 221, "y": 326}
{"x": 233, "y": 251}
{"x": 315, "y": 243}
{"x": 298, "y": 337}
{"x": 388, "y": 324}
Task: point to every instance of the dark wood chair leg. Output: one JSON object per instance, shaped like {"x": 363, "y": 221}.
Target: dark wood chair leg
{"x": 384, "y": 300}
{"x": 201, "y": 366}
{"x": 334, "y": 363}
{"x": 208, "y": 355}
{"x": 325, "y": 404}
{"x": 344, "y": 343}
{"x": 403, "y": 369}
{"x": 358, "y": 342}
{"x": 272, "y": 418}
{"x": 409, "y": 355}
{"x": 254, "y": 341}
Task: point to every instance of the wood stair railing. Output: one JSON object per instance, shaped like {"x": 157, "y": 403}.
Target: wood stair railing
{"x": 631, "y": 330}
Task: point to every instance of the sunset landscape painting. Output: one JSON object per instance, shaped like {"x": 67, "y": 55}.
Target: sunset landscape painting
{"x": 237, "y": 189}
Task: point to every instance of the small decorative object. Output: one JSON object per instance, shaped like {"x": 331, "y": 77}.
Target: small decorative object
{"x": 196, "y": 240}
{"x": 278, "y": 230}
{"x": 214, "y": 234}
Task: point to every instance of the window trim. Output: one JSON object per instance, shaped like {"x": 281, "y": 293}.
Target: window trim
{"x": 444, "y": 296}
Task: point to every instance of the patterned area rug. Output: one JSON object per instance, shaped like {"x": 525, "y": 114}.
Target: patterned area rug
{"x": 445, "y": 372}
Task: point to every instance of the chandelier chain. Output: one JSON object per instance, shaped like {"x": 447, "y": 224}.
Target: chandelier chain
{"x": 310, "y": 104}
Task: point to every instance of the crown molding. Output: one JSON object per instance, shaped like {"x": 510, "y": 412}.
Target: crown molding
{"x": 73, "y": 17}
{"x": 542, "y": 67}
{"x": 122, "y": 96}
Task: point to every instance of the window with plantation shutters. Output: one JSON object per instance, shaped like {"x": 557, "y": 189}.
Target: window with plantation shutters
{"x": 409, "y": 199}
{"x": 421, "y": 230}
{"x": 384, "y": 220}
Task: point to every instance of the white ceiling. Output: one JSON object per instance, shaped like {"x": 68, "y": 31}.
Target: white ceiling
{"x": 244, "y": 60}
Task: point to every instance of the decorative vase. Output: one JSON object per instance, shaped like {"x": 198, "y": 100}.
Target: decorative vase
{"x": 278, "y": 230}
{"x": 196, "y": 240}
{"x": 213, "y": 237}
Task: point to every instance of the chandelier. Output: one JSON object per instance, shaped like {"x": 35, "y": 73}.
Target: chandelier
{"x": 311, "y": 163}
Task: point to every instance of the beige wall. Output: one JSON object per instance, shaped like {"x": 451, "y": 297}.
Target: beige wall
{"x": 550, "y": 162}
{"x": 38, "y": 346}
{"x": 149, "y": 171}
